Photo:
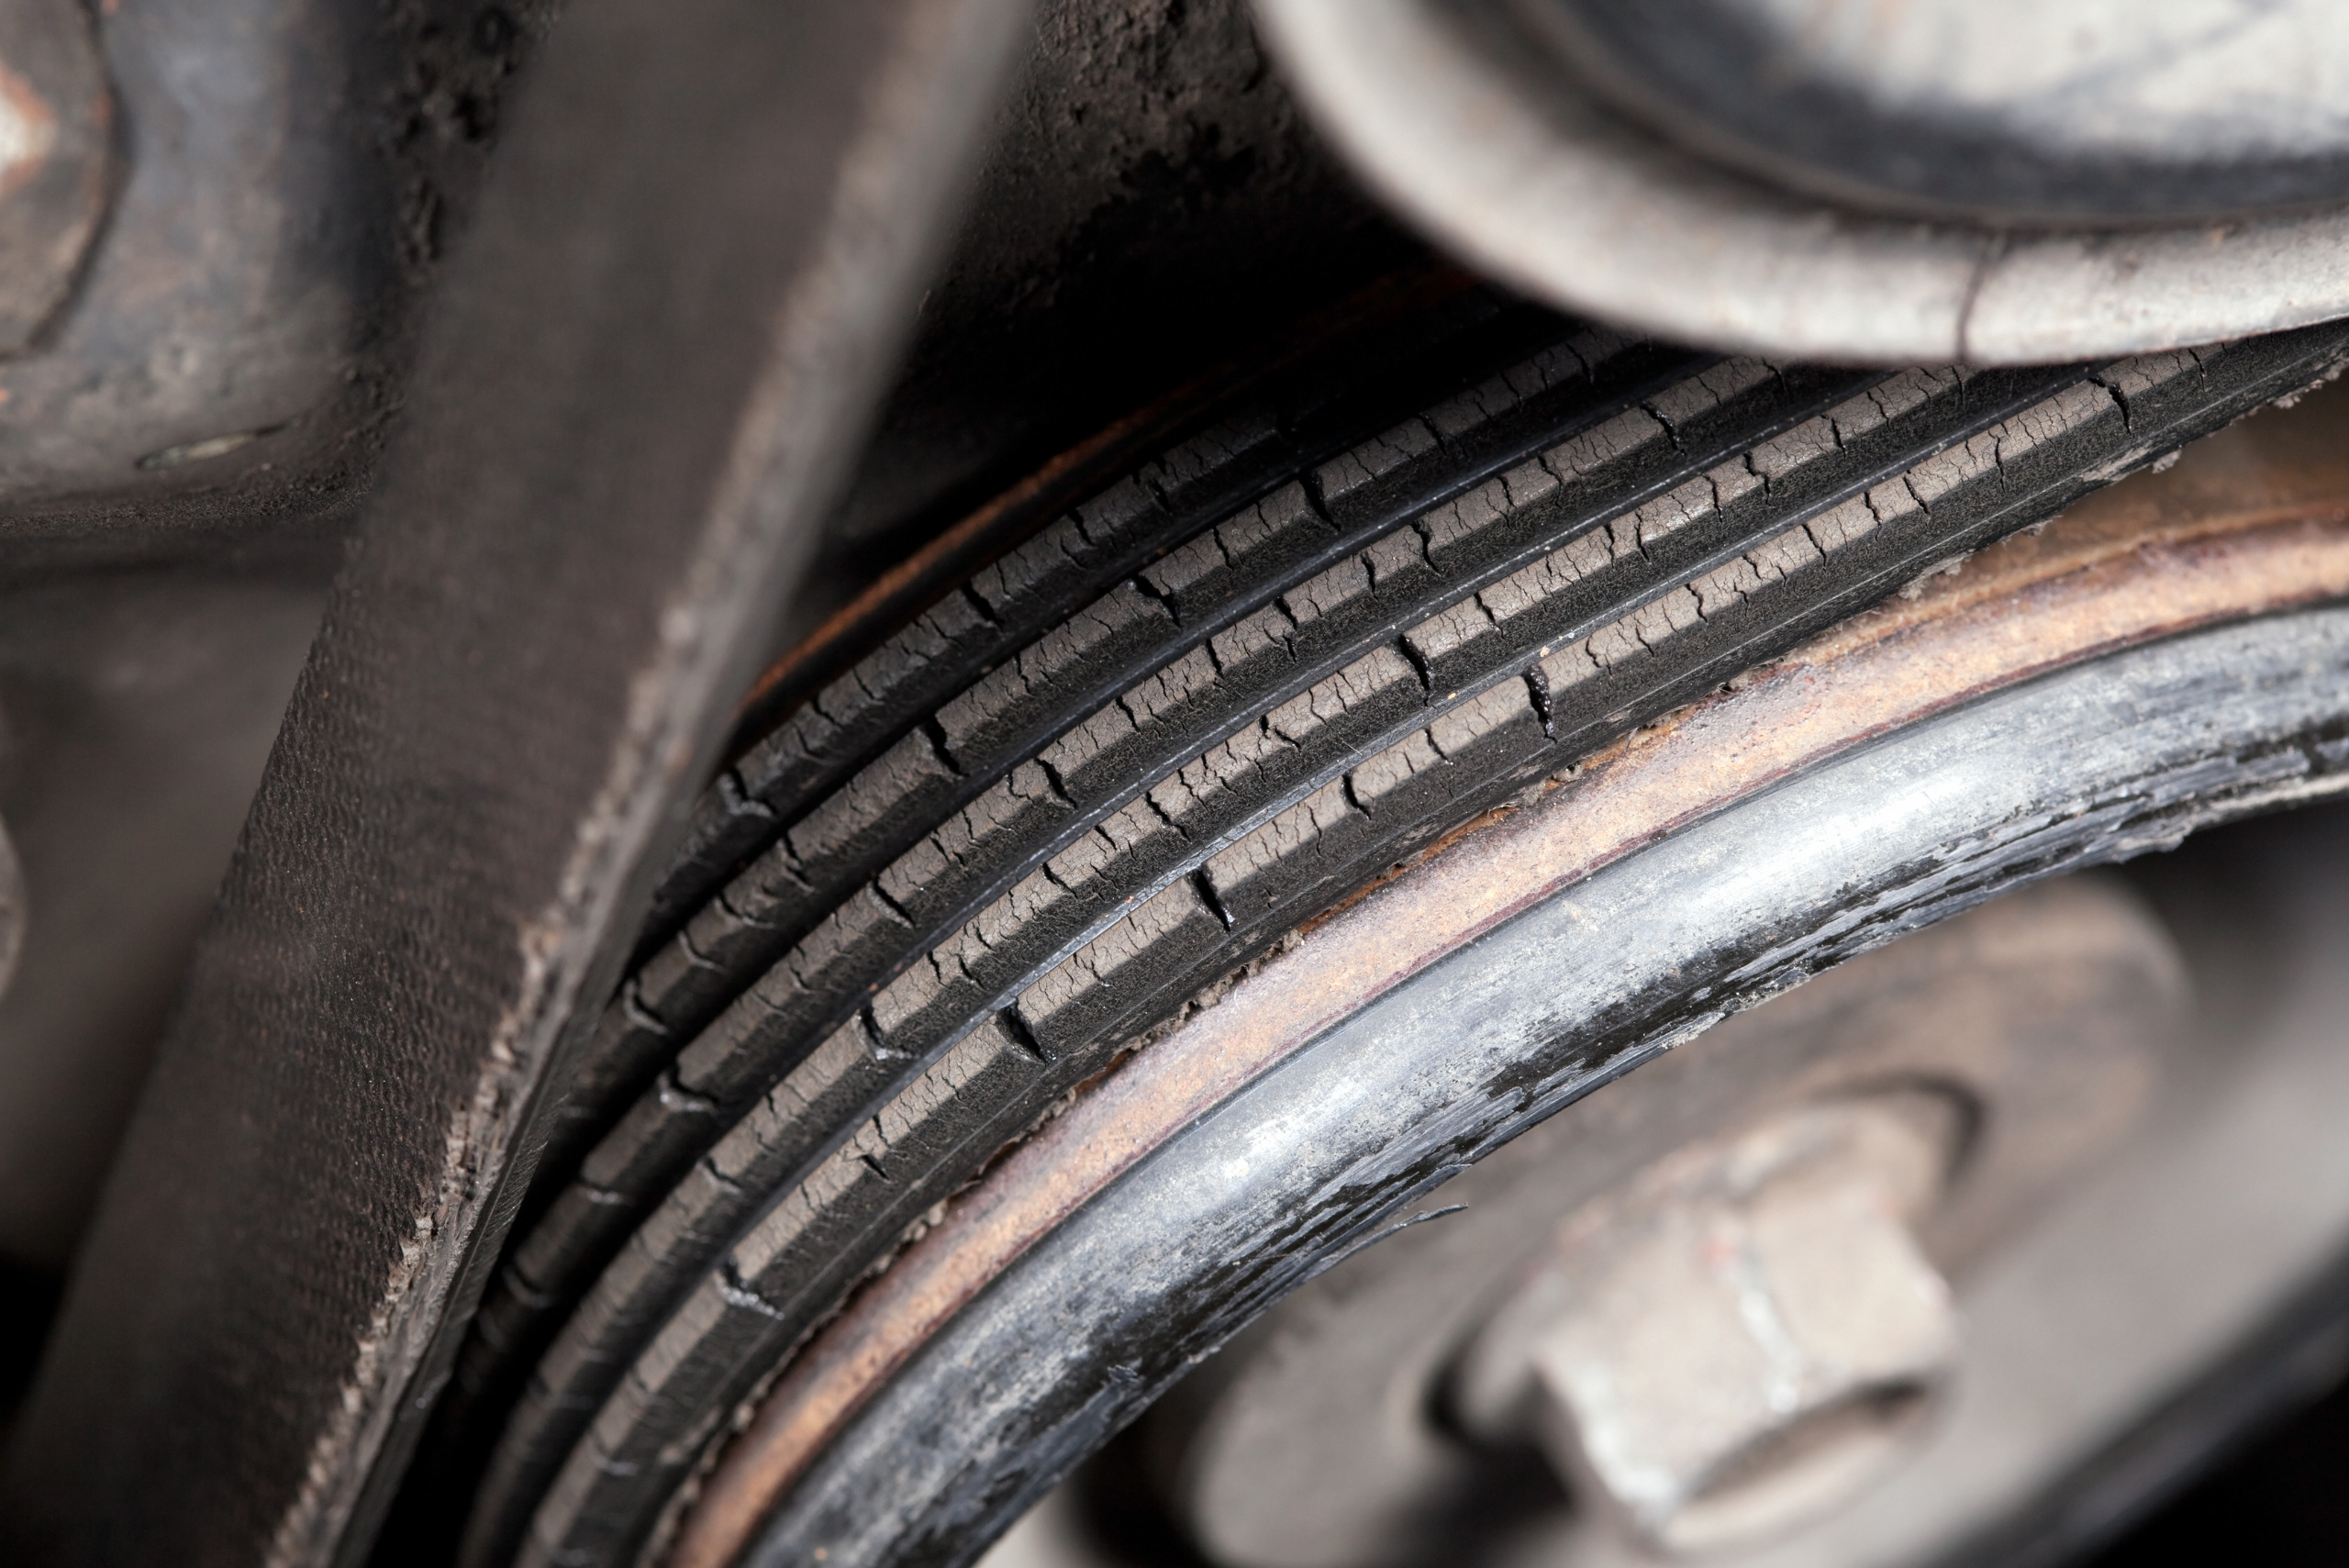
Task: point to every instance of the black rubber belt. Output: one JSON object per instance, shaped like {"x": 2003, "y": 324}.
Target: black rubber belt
{"x": 2065, "y": 430}
{"x": 695, "y": 253}
{"x": 1330, "y": 1150}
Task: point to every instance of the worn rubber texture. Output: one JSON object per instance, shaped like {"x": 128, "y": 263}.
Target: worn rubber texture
{"x": 1133, "y": 755}
{"x": 616, "y": 452}
{"x": 1342, "y": 1141}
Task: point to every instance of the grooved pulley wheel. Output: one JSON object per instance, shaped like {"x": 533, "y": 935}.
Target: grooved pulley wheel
{"x": 1437, "y": 588}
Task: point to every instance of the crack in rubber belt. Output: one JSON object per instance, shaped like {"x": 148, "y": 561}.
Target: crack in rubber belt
{"x": 1320, "y": 403}
{"x": 1492, "y": 426}
{"x": 1133, "y": 524}
{"x": 1309, "y": 417}
{"x": 672, "y": 985}
{"x": 1080, "y": 882}
{"x": 1297, "y": 420}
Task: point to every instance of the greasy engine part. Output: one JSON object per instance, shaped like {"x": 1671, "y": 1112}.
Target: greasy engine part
{"x": 531, "y": 644}
{"x": 56, "y": 139}
{"x": 2171, "y": 1302}
{"x": 2079, "y": 696}
{"x": 944, "y": 904}
{"x": 146, "y": 648}
{"x": 646, "y": 373}
{"x": 205, "y": 347}
{"x": 209, "y": 299}
{"x": 1993, "y": 109}
{"x": 1993, "y": 183}
{"x": 2010, "y": 1047}
{"x": 1748, "y": 1340}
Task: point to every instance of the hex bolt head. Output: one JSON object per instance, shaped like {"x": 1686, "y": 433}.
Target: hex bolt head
{"x": 1739, "y": 1342}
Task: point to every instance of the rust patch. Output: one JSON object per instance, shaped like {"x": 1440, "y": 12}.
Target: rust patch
{"x": 1404, "y": 867}
{"x": 2107, "y": 576}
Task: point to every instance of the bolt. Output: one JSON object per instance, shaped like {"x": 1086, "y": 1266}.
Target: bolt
{"x": 1739, "y": 1341}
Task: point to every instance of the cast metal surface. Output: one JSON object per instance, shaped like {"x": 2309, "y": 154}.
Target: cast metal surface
{"x": 644, "y": 378}
{"x": 2081, "y": 594}
{"x": 1993, "y": 110}
{"x": 2190, "y": 1285}
{"x": 277, "y": 181}
{"x": 56, "y": 139}
{"x": 1356, "y": 1423}
{"x": 1744, "y": 1337}
{"x": 1152, "y": 202}
{"x": 1532, "y": 180}
{"x": 650, "y": 379}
